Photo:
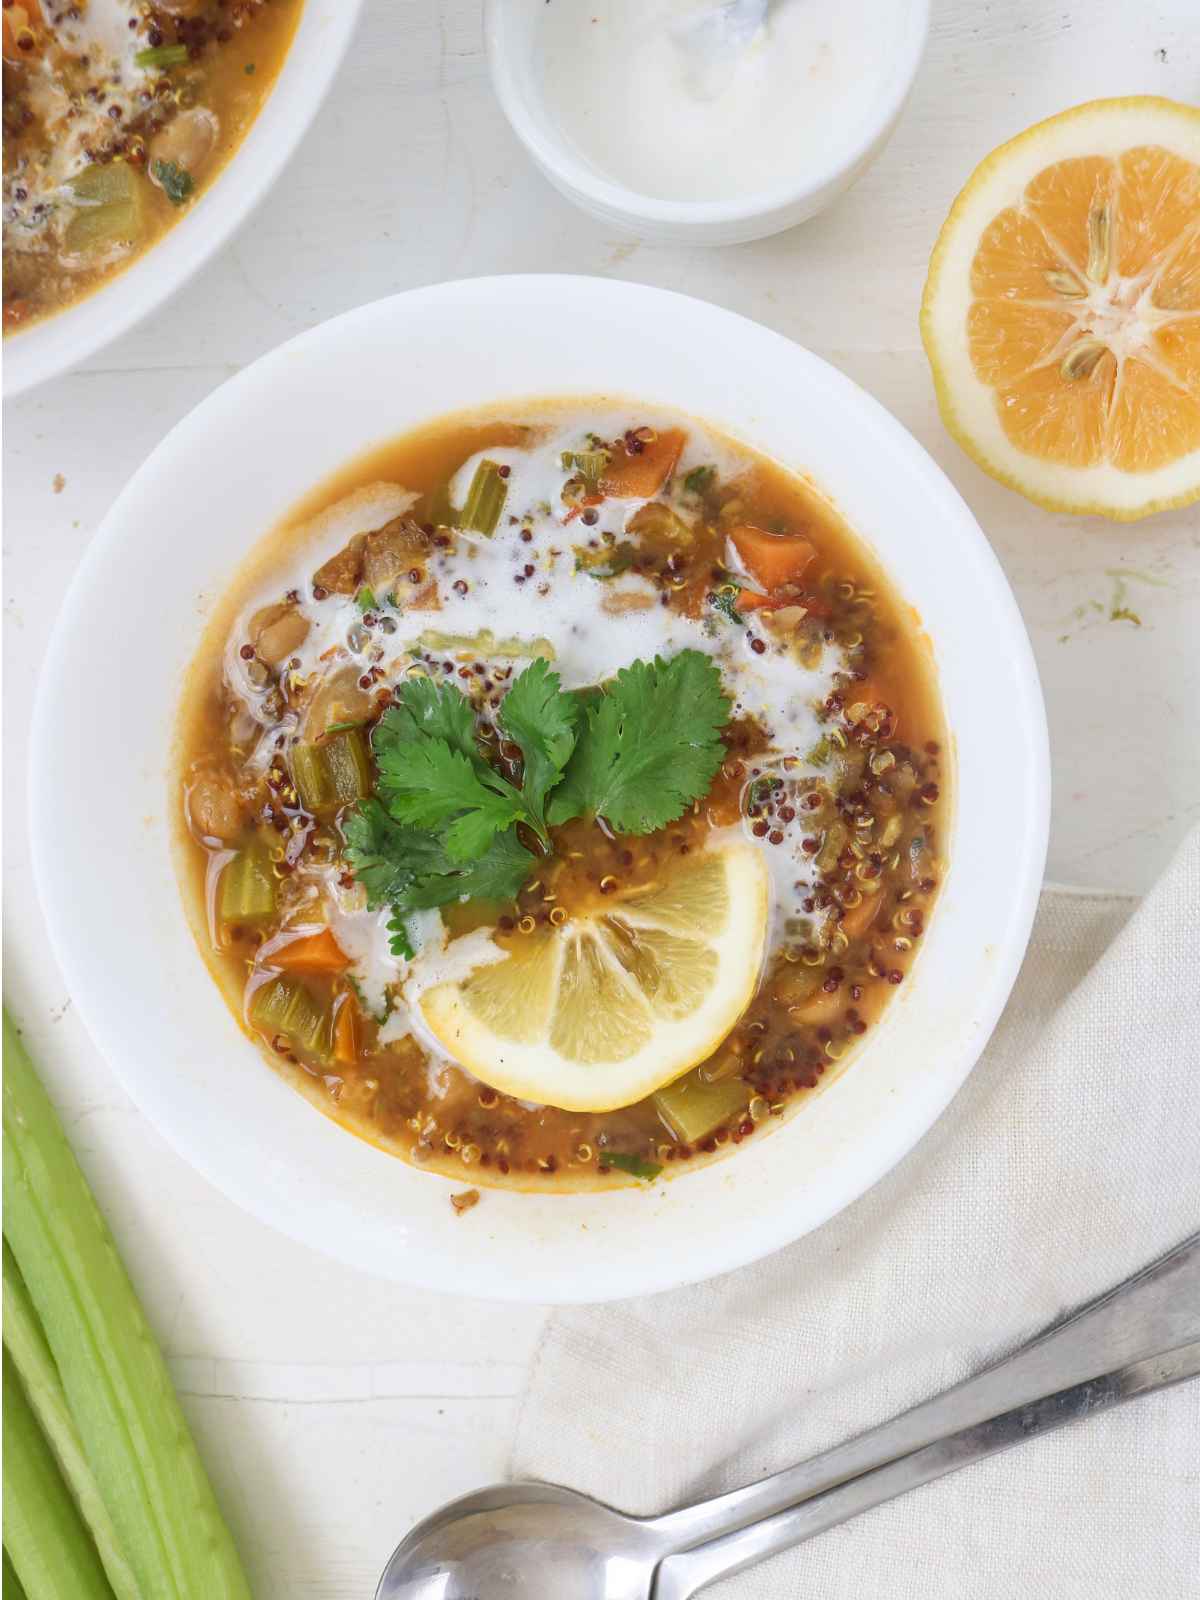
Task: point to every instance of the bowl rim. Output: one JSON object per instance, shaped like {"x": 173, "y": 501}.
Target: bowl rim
{"x": 585, "y": 183}
{"x": 61, "y": 851}
{"x": 66, "y": 339}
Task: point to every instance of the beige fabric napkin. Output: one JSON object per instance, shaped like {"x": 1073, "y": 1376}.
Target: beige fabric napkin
{"x": 1071, "y": 1157}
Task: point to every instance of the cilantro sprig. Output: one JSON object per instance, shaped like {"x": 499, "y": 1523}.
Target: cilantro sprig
{"x": 649, "y": 746}
{"x": 445, "y": 823}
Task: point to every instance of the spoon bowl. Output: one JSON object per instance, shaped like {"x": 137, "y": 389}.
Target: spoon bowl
{"x": 526, "y": 1541}
{"x": 515, "y": 1541}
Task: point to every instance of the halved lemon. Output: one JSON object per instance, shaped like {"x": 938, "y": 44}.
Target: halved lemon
{"x": 1061, "y": 314}
{"x": 614, "y": 1004}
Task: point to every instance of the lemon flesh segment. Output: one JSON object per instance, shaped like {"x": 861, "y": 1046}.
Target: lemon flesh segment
{"x": 608, "y": 1008}
{"x": 1062, "y": 305}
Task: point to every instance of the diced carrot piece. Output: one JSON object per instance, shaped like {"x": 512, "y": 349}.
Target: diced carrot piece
{"x": 748, "y": 600}
{"x": 345, "y": 1033}
{"x": 774, "y": 559}
{"x": 311, "y": 952}
{"x": 639, "y": 474}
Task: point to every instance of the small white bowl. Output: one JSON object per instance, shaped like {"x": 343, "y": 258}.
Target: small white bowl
{"x": 49, "y": 348}
{"x": 103, "y": 782}
{"x": 511, "y": 29}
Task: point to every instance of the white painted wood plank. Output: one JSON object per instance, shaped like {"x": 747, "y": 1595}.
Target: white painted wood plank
{"x": 337, "y": 1409}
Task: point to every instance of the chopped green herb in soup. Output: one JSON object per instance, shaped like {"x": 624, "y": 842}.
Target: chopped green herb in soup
{"x": 564, "y": 796}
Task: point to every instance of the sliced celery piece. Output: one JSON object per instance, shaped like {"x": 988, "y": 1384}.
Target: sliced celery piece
{"x": 120, "y": 223}
{"x": 485, "y": 499}
{"x": 691, "y": 1108}
{"x": 269, "y": 1005}
{"x": 285, "y": 1006}
{"x": 248, "y": 885}
{"x": 109, "y": 196}
{"x": 310, "y": 774}
{"x": 310, "y": 1023}
{"x": 348, "y": 765}
{"x": 589, "y": 464}
{"x": 10, "y": 1584}
{"x": 129, "y": 1420}
{"x": 26, "y": 1344}
{"x": 105, "y": 183}
{"x": 485, "y": 644}
{"x": 43, "y": 1530}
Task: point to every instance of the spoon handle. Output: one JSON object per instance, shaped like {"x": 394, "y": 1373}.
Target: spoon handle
{"x": 681, "y": 1576}
{"x": 1156, "y": 1310}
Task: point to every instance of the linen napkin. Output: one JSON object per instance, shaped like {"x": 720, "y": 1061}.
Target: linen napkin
{"x": 1070, "y": 1158}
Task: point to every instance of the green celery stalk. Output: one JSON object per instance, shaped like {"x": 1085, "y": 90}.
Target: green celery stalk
{"x": 130, "y": 1423}
{"x": 285, "y": 1006}
{"x": 310, "y": 774}
{"x": 10, "y": 1584}
{"x": 248, "y": 885}
{"x": 349, "y": 765}
{"x": 589, "y": 464}
{"x": 30, "y": 1354}
{"x": 692, "y": 1108}
{"x": 485, "y": 499}
{"x": 44, "y": 1535}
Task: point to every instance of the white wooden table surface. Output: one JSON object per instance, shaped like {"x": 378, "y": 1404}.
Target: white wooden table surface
{"x": 335, "y": 1409}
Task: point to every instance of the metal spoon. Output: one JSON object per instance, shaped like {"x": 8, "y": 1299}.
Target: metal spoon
{"x": 529, "y": 1541}
{"x": 713, "y": 41}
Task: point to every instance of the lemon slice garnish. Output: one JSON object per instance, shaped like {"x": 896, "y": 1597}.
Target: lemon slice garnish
{"x": 612, "y": 1005}
{"x": 1062, "y": 310}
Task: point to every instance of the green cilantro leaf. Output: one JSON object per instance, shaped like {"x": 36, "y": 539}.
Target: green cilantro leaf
{"x": 649, "y": 745}
{"x": 400, "y": 941}
{"x": 542, "y": 719}
{"x": 427, "y": 710}
{"x": 636, "y": 1166}
{"x": 725, "y": 601}
{"x": 177, "y": 182}
{"x": 500, "y": 872}
{"x": 385, "y": 857}
{"x": 427, "y": 784}
{"x": 497, "y": 875}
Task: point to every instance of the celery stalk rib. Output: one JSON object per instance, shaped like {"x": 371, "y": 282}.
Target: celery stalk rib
{"x": 133, "y": 1432}
{"x": 11, "y": 1587}
{"x": 26, "y": 1344}
{"x": 44, "y": 1535}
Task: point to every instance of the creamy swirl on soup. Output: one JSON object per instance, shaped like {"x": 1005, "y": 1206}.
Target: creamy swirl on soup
{"x": 564, "y": 796}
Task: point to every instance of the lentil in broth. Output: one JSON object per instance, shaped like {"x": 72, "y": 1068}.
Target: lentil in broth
{"x": 622, "y": 534}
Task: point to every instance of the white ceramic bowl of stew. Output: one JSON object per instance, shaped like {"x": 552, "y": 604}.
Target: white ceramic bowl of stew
{"x": 215, "y": 486}
{"x": 63, "y": 340}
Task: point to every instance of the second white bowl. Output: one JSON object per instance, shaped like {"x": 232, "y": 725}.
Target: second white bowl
{"x": 822, "y": 172}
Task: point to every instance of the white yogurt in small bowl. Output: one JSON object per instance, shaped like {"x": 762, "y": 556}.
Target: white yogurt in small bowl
{"x": 679, "y": 144}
